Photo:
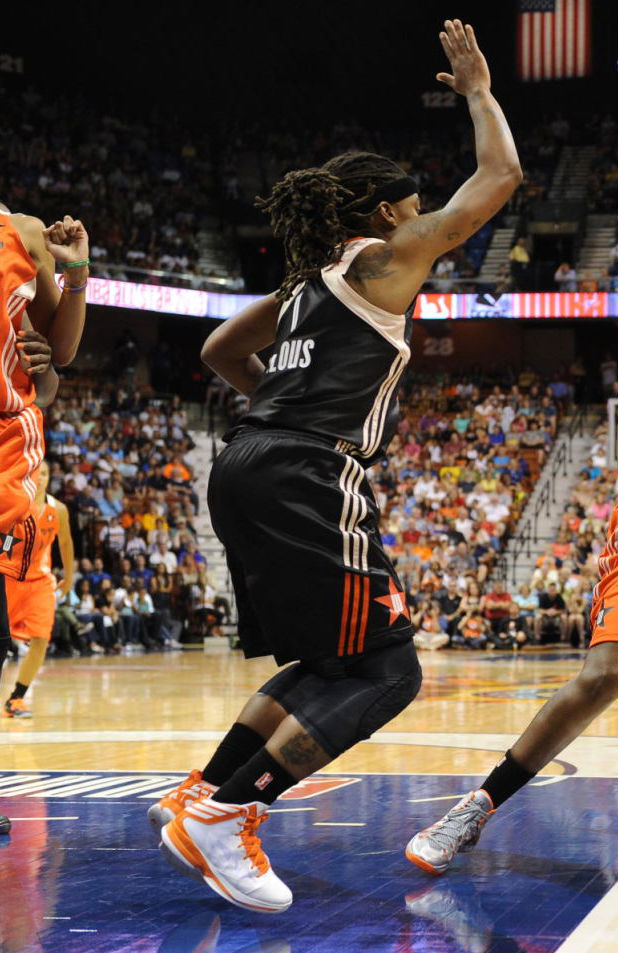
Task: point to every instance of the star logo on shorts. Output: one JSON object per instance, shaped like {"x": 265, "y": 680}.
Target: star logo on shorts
{"x": 7, "y": 541}
{"x": 396, "y": 603}
{"x": 602, "y": 613}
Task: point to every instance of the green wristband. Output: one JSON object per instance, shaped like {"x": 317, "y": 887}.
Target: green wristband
{"x": 75, "y": 264}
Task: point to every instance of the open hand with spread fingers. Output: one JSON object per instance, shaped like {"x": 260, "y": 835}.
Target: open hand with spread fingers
{"x": 470, "y": 70}
{"x": 67, "y": 240}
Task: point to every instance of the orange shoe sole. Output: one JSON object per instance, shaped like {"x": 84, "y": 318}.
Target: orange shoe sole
{"x": 418, "y": 862}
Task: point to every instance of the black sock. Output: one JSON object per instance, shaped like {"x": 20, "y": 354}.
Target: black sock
{"x": 506, "y": 778}
{"x": 261, "y": 779}
{"x": 238, "y": 746}
{"x": 19, "y": 691}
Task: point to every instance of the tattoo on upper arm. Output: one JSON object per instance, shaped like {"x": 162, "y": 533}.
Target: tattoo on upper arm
{"x": 301, "y": 749}
{"x": 425, "y": 225}
{"x": 372, "y": 264}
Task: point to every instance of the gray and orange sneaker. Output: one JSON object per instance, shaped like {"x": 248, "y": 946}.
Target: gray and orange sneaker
{"x": 175, "y": 801}
{"x": 434, "y": 848}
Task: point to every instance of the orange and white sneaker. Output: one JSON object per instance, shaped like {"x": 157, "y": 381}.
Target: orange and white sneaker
{"x": 16, "y": 708}
{"x": 217, "y": 843}
{"x": 171, "y": 804}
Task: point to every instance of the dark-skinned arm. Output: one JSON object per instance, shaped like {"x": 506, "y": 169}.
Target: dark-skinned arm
{"x": 59, "y": 317}
{"x": 498, "y": 170}
{"x": 231, "y": 350}
{"x": 35, "y": 359}
{"x": 390, "y": 274}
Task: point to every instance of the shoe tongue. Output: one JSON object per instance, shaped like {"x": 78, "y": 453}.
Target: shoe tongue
{"x": 483, "y": 800}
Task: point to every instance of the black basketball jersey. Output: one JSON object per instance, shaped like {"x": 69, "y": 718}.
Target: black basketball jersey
{"x": 336, "y": 365}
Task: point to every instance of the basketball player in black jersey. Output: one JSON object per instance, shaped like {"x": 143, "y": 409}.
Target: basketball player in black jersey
{"x": 289, "y": 498}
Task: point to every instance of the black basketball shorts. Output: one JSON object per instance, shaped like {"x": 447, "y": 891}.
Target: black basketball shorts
{"x": 300, "y": 526}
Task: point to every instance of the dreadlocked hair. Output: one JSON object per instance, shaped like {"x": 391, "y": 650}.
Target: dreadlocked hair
{"x": 315, "y": 210}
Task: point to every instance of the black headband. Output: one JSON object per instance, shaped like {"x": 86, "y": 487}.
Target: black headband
{"x": 393, "y": 191}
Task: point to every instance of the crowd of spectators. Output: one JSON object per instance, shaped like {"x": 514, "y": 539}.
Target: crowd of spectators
{"x": 439, "y": 160}
{"x": 124, "y": 464}
{"x": 146, "y": 188}
{"x": 143, "y": 187}
{"x": 566, "y": 573}
{"x": 457, "y": 477}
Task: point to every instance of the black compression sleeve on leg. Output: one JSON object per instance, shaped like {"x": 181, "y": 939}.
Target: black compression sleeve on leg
{"x": 5, "y": 632}
{"x": 261, "y": 779}
{"x": 506, "y": 778}
{"x": 238, "y": 747}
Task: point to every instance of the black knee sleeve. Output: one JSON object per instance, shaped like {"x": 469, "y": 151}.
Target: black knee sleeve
{"x": 283, "y": 686}
{"x": 344, "y": 707}
{"x": 396, "y": 696}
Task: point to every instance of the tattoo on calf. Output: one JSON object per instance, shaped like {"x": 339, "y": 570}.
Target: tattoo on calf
{"x": 301, "y": 749}
{"x": 372, "y": 264}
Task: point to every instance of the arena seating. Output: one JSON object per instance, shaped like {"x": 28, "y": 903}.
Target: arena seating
{"x": 170, "y": 215}
{"x": 458, "y": 474}
{"x": 570, "y": 561}
{"x": 122, "y": 463}
{"x": 457, "y": 478}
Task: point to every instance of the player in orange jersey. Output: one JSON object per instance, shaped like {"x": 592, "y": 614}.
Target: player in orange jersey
{"x": 27, "y": 254}
{"x": 32, "y": 603}
{"x": 31, "y": 252}
{"x": 565, "y": 716}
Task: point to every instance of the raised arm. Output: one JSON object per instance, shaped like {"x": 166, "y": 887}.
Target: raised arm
{"x": 498, "y": 170}
{"x": 58, "y": 316}
{"x": 390, "y": 274}
{"x": 231, "y": 350}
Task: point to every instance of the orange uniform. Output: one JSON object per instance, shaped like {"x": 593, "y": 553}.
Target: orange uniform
{"x": 32, "y": 603}
{"x": 21, "y": 422}
{"x": 604, "y": 613}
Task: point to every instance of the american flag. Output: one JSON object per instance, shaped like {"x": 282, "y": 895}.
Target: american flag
{"x": 553, "y": 39}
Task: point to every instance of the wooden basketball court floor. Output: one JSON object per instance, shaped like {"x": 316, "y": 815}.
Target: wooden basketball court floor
{"x": 80, "y": 873}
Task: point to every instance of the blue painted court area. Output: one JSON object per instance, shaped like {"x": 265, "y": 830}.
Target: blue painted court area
{"x": 80, "y": 872}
